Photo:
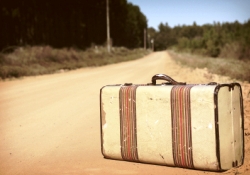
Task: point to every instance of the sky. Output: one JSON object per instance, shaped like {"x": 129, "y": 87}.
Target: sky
{"x": 186, "y": 12}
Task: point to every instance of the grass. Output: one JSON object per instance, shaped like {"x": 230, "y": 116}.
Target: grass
{"x": 234, "y": 68}
{"x": 38, "y": 60}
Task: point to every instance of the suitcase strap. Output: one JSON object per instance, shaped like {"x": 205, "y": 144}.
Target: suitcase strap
{"x": 181, "y": 126}
{"x": 128, "y": 123}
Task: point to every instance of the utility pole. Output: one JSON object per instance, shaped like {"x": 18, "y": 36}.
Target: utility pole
{"x": 108, "y": 32}
{"x": 145, "y": 39}
{"x": 152, "y": 42}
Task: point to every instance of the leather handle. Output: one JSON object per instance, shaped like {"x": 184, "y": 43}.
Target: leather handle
{"x": 166, "y": 78}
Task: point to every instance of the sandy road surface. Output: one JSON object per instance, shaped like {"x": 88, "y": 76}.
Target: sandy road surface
{"x": 50, "y": 124}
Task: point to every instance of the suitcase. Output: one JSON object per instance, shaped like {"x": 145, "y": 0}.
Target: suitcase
{"x": 196, "y": 126}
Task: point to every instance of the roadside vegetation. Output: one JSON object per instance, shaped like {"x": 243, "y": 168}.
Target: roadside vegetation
{"x": 26, "y": 26}
{"x": 38, "y": 60}
{"x": 233, "y": 68}
{"x": 222, "y": 48}
{"x": 222, "y": 40}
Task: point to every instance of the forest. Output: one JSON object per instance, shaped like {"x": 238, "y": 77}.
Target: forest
{"x": 225, "y": 40}
{"x": 81, "y": 24}
{"x": 75, "y": 23}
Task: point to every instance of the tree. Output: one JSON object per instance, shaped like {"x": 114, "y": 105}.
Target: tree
{"x": 136, "y": 22}
{"x": 74, "y": 23}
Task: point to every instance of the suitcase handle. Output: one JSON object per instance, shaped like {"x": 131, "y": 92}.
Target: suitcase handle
{"x": 167, "y": 78}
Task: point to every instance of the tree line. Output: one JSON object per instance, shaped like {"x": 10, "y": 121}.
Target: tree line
{"x": 215, "y": 40}
{"x": 74, "y": 23}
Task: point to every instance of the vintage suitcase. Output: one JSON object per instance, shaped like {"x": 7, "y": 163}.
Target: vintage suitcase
{"x": 197, "y": 126}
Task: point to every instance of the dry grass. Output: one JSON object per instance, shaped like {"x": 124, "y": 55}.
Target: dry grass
{"x": 234, "y": 68}
{"x": 38, "y": 60}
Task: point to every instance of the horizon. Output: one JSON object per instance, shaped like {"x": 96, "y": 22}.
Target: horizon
{"x": 200, "y": 12}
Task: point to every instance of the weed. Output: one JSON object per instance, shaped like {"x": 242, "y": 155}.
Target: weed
{"x": 234, "y": 68}
{"x": 38, "y": 60}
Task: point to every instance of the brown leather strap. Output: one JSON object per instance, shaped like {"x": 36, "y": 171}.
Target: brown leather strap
{"x": 166, "y": 78}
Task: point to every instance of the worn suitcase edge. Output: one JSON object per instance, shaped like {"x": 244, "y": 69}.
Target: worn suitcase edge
{"x": 218, "y": 86}
{"x": 102, "y": 120}
{"x": 231, "y": 87}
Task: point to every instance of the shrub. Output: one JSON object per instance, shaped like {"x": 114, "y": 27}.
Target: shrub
{"x": 236, "y": 69}
{"x": 37, "y": 60}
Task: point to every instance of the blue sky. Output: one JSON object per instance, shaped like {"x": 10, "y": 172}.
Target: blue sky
{"x": 179, "y": 12}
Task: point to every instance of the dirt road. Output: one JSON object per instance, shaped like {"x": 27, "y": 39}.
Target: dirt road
{"x": 50, "y": 124}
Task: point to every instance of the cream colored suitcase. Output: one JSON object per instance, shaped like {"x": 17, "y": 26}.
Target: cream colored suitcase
{"x": 197, "y": 126}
